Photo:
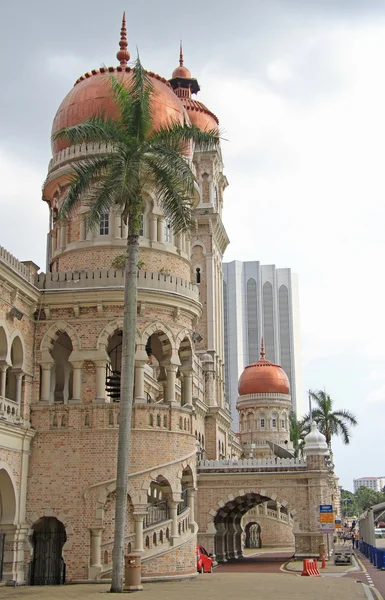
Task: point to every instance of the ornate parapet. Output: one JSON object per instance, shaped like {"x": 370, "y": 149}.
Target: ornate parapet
{"x": 112, "y": 278}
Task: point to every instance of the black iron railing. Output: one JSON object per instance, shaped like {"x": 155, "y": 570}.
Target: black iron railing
{"x": 157, "y": 513}
{"x": 183, "y": 504}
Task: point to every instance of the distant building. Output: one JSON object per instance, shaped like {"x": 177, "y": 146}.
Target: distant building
{"x": 374, "y": 483}
{"x": 261, "y": 301}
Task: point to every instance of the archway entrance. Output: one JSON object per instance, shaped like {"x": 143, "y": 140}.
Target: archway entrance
{"x": 228, "y": 537}
{"x": 48, "y": 539}
{"x": 253, "y": 535}
{"x": 7, "y": 527}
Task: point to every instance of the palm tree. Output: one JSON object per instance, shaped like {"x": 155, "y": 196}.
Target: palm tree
{"x": 298, "y": 430}
{"x": 138, "y": 156}
{"x": 330, "y": 422}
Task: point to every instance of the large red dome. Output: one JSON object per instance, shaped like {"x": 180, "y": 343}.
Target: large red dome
{"x": 263, "y": 377}
{"x": 92, "y": 95}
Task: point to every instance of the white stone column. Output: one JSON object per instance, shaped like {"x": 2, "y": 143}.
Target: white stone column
{"x": 187, "y": 388}
{"x": 100, "y": 382}
{"x": 53, "y": 242}
{"x": 191, "y": 504}
{"x": 63, "y": 235}
{"x": 96, "y": 545}
{"x": 45, "y": 393}
{"x": 173, "y": 511}
{"x": 153, "y": 228}
{"x": 278, "y": 511}
{"x": 178, "y": 241}
{"x": 161, "y": 230}
{"x": 124, "y": 230}
{"x": 188, "y": 246}
{"x": 210, "y": 301}
{"x": 76, "y": 383}
{"x": 265, "y": 508}
{"x": 171, "y": 378}
{"x": 139, "y": 518}
{"x": 82, "y": 228}
{"x": 116, "y": 224}
{"x": 3, "y": 379}
{"x": 139, "y": 382}
{"x": 19, "y": 385}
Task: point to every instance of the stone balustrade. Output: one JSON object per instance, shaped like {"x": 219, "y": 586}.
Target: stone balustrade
{"x": 252, "y": 464}
{"x": 10, "y": 410}
{"x": 80, "y": 151}
{"x": 112, "y": 278}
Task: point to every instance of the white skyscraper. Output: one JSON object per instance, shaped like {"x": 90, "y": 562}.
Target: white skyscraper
{"x": 260, "y": 300}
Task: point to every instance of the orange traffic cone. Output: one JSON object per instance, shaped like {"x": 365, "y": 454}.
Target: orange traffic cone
{"x": 323, "y": 564}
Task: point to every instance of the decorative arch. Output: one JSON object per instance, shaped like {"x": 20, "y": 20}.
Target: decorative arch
{"x": 17, "y": 350}
{"x": 62, "y": 517}
{"x": 167, "y": 337}
{"x": 225, "y": 521}
{"x": 4, "y": 343}
{"x": 201, "y": 245}
{"x": 109, "y": 331}
{"x": 8, "y": 497}
{"x": 53, "y": 333}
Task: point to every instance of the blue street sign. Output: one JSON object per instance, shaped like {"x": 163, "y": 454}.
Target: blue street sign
{"x": 326, "y": 508}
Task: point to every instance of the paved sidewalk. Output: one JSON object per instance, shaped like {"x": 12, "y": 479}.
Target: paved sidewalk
{"x": 218, "y": 586}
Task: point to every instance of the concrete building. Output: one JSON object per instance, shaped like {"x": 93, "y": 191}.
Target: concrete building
{"x": 261, "y": 301}
{"x": 374, "y": 483}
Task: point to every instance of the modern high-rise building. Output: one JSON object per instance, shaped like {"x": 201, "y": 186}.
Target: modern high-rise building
{"x": 374, "y": 483}
{"x": 261, "y": 301}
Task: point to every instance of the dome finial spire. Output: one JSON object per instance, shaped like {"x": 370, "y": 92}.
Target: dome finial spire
{"x": 262, "y": 348}
{"x": 180, "y": 55}
{"x": 123, "y": 55}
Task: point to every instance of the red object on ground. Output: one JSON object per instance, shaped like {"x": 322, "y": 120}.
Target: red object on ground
{"x": 204, "y": 561}
{"x": 310, "y": 568}
{"x": 323, "y": 564}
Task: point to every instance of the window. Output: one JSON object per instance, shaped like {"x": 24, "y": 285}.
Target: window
{"x": 167, "y": 232}
{"x": 104, "y": 228}
{"x": 262, "y": 423}
{"x": 274, "y": 422}
{"x": 198, "y": 275}
{"x": 283, "y": 423}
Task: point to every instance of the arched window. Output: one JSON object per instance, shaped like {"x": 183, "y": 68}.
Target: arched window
{"x": 142, "y": 230}
{"x": 198, "y": 275}
{"x": 154, "y": 540}
{"x": 161, "y": 536}
{"x": 167, "y": 533}
{"x": 165, "y": 421}
{"x": 87, "y": 420}
{"x": 263, "y": 422}
{"x": 151, "y": 420}
{"x": 180, "y": 423}
{"x": 158, "y": 420}
{"x": 147, "y": 543}
{"x": 111, "y": 418}
{"x": 129, "y": 548}
{"x": 104, "y": 223}
{"x": 105, "y": 557}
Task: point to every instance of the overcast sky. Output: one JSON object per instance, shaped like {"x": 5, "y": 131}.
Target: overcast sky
{"x": 298, "y": 86}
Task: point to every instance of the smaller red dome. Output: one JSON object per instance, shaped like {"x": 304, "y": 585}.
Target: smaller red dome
{"x": 182, "y": 72}
{"x": 200, "y": 115}
{"x": 263, "y": 377}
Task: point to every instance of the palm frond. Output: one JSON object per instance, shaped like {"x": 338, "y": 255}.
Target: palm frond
{"x": 174, "y": 194}
{"x": 175, "y": 132}
{"x": 141, "y": 91}
{"x": 98, "y": 129}
{"x": 85, "y": 176}
{"x": 347, "y": 416}
{"x": 124, "y": 103}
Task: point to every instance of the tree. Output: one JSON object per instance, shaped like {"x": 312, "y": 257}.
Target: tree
{"x": 298, "y": 430}
{"x": 349, "y": 504}
{"x": 330, "y": 423}
{"x": 366, "y": 497}
{"x": 138, "y": 156}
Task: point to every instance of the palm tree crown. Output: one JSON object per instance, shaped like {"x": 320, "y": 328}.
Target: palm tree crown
{"x": 330, "y": 422}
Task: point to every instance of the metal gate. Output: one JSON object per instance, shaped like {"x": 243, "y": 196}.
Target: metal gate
{"x": 48, "y": 567}
{"x": 2, "y": 544}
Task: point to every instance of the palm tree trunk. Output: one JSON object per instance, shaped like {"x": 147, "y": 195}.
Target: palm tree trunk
{"x": 126, "y": 402}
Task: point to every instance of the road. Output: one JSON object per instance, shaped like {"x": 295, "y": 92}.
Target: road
{"x": 268, "y": 562}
